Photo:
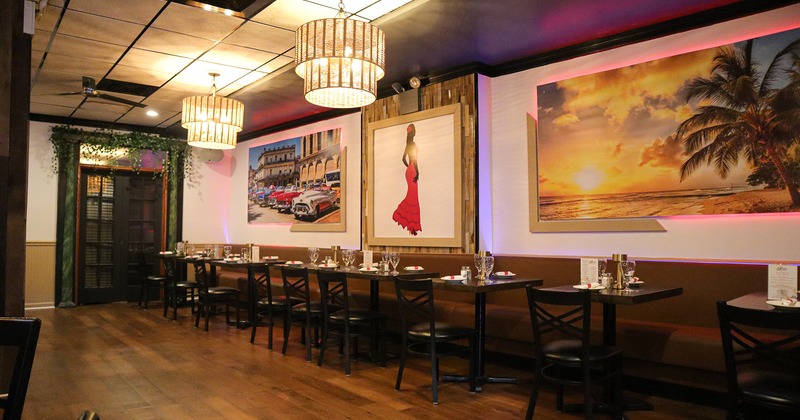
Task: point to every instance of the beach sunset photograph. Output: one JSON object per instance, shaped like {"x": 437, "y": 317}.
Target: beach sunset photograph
{"x": 715, "y": 131}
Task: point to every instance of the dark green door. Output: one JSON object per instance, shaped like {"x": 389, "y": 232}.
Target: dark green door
{"x": 120, "y": 231}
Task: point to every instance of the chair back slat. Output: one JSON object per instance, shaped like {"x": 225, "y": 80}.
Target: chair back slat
{"x": 259, "y": 276}
{"x": 201, "y": 275}
{"x": 333, "y": 292}
{"x": 567, "y": 314}
{"x": 295, "y": 284}
{"x": 415, "y": 299}
{"x": 169, "y": 268}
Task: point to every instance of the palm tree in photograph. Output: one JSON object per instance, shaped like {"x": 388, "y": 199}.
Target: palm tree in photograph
{"x": 747, "y": 115}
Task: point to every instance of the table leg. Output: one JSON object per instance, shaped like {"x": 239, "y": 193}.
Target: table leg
{"x": 610, "y": 339}
{"x": 480, "y": 343}
{"x": 374, "y": 295}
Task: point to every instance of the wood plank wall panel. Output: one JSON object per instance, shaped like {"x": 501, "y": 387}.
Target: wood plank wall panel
{"x": 40, "y": 274}
{"x": 460, "y": 90}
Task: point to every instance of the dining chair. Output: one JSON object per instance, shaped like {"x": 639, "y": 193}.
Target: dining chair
{"x": 176, "y": 289}
{"x": 18, "y": 339}
{"x": 209, "y": 296}
{"x": 147, "y": 280}
{"x": 307, "y": 313}
{"x": 268, "y": 306}
{"x": 423, "y": 335}
{"x": 339, "y": 320}
{"x": 561, "y": 323}
{"x": 761, "y": 361}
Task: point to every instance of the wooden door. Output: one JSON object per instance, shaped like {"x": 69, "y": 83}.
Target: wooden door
{"x": 120, "y": 232}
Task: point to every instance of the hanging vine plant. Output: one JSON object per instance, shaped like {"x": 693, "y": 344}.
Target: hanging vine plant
{"x": 104, "y": 144}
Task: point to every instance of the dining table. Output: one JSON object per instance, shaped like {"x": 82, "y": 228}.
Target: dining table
{"x": 251, "y": 286}
{"x": 610, "y": 298}
{"x": 480, "y": 288}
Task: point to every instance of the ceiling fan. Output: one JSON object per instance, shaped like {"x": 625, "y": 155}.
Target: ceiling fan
{"x": 89, "y": 90}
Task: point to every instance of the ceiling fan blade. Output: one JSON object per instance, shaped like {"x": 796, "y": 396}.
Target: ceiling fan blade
{"x": 58, "y": 94}
{"x": 118, "y": 99}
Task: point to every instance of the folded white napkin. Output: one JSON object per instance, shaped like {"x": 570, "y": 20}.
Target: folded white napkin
{"x": 294, "y": 263}
{"x": 165, "y": 252}
{"x": 504, "y": 273}
{"x": 413, "y": 268}
{"x": 457, "y": 277}
{"x": 368, "y": 269}
{"x": 271, "y": 257}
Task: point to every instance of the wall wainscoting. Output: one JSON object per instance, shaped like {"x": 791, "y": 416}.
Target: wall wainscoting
{"x": 40, "y": 272}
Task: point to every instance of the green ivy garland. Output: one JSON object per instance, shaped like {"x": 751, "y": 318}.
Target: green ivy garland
{"x": 104, "y": 142}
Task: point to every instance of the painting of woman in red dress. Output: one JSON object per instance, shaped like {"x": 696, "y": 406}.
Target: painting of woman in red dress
{"x": 407, "y": 212}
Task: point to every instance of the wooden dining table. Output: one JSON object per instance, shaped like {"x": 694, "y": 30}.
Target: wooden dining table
{"x": 251, "y": 286}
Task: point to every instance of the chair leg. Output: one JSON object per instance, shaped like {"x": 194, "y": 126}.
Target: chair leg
{"x": 587, "y": 393}
{"x": 197, "y": 314}
{"x": 403, "y": 352}
{"x": 434, "y": 373}
{"x": 473, "y": 358}
{"x": 256, "y": 318}
{"x": 271, "y": 324}
{"x": 166, "y": 300}
{"x": 287, "y": 325}
{"x": 537, "y": 382}
{"x": 347, "y": 347}
{"x": 207, "y": 309}
{"x": 308, "y": 338}
{"x": 323, "y": 343}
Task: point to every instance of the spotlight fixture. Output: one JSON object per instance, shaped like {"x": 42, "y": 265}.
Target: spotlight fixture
{"x": 398, "y": 87}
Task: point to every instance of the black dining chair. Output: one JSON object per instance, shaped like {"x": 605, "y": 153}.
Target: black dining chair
{"x": 762, "y": 361}
{"x": 147, "y": 281}
{"x": 175, "y": 289}
{"x": 306, "y": 314}
{"x": 561, "y": 323}
{"x": 20, "y": 335}
{"x": 209, "y": 296}
{"x": 267, "y": 307}
{"x": 339, "y": 320}
{"x": 423, "y": 335}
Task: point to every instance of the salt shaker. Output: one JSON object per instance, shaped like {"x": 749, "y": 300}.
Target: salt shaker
{"x": 466, "y": 272}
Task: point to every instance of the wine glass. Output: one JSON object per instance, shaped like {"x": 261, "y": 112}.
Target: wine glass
{"x": 245, "y": 255}
{"x": 313, "y": 254}
{"x": 602, "y": 263}
{"x": 348, "y": 256}
{"x": 227, "y": 250}
{"x": 478, "y": 264}
{"x": 488, "y": 265}
{"x": 394, "y": 258}
{"x": 628, "y": 268}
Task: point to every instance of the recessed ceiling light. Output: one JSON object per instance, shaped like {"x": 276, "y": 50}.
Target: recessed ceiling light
{"x": 151, "y": 113}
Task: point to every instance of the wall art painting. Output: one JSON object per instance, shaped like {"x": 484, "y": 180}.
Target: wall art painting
{"x": 708, "y": 132}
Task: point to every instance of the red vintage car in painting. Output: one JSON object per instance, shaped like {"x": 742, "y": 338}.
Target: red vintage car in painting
{"x": 283, "y": 201}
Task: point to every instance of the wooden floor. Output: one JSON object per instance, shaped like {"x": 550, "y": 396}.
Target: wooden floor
{"x": 127, "y": 363}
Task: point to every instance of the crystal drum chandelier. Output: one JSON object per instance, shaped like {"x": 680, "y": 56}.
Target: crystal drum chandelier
{"x": 340, "y": 61}
{"x": 213, "y": 121}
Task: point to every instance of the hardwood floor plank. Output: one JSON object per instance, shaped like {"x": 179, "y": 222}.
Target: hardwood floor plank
{"x": 127, "y": 363}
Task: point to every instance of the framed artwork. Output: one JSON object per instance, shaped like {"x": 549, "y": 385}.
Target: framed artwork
{"x": 655, "y": 139}
{"x": 414, "y": 190}
{"x": 299, "y": 181}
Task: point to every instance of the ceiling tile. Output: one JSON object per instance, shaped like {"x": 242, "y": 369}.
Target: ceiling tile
{"x": 149, "y": 77}
{"x": 102, "y": 105}
{"x": 381, "y": 8}
{"x": 47, "y": 109}
{"x": 79, "y": 47}
{"x": 60, "y": 77}
{"x": 262, "y": 37}
{"x": 196, "y": 22}
{"x": 139, "y": 116}
{"x": 350, "y": 6}
{"x": 156, "y": 61}
{"x": 166, "y": 107}
{"x": 97, "y": 115}
{"x": 40, "y": 40}
{"x": 166, "y": 94}
{"x": 172, "y": 121}
{"x": 275, "y": 64}
{"x": 139, "y": 11}
{"x": 48, "y": 93}
{"x": 290, "y": 14}
{"x": 77, "y": 66}
{"x": 197, "y": 76}
{"x": 247, "y": 58}
{"x": 98, "y": 28}
{"x": 161, "y": 41}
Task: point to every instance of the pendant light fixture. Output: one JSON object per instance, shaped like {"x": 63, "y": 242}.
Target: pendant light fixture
{"x": 213, "y": 121}
{"x": 340, "y": 61}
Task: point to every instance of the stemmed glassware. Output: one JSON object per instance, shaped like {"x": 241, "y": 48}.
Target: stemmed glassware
{"x": 384, "y": 259}
{"x": 348, "y": 256}
{"x": 394, "y": 258}
{"x": 628, "y": 268}
{"x": 227, "y": 250}
{"x": 488, "y": 265}
{"x": 245, "y": 255}
{"x": 479, "y": 260}
{"x": 313, "y": 254}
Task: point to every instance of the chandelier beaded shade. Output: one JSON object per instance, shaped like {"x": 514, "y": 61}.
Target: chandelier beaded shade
{"x": 213, "y": 121}
{"x": 340, "y": 61}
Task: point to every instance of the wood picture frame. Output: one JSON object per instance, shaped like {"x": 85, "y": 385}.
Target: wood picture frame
{"x": 436, "y": 134}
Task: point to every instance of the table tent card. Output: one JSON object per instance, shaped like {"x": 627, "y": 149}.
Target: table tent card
{"x": 589, "y": 267}
{"x": 781, "y": 281}
{"x": 256, "y": 252}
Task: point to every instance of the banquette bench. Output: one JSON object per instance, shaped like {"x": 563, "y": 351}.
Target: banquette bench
{"x": 673, "y": 340}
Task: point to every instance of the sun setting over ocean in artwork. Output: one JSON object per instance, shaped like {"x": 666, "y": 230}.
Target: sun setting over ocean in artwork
{"x": 656, "y": 139}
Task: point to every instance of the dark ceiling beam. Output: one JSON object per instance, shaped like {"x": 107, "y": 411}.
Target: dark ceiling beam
{"x": 322, "y": 116}
{"x": 100, "y": 124}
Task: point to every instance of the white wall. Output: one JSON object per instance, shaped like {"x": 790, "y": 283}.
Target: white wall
{"x": 42, "y": 186}
{"x": 215, "y": 204}
{"x": 773, "y": 237}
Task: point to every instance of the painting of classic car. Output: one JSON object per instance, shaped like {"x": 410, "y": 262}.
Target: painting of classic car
{"x": 283, "y": 202}
{"x": 313, "y": 203}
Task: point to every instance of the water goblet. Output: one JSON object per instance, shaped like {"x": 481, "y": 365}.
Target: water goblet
{"x": 347, "y": 257}
{"x": 602, "y": 263}
{"x": 227, "y": 250}
{"x": 245, "y": 255}
{"x": 488, "y": 265}
{"x": 479, "y": 265}
{"x": 628, "y": 268}
{"x": 394, "y": 258}
{"x": 313, "y": 254}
